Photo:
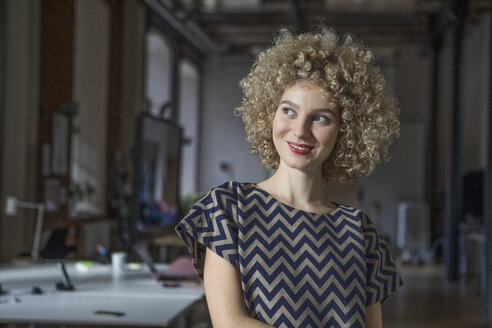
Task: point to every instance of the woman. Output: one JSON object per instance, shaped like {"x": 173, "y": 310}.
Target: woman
{"x": 278, "y": 253}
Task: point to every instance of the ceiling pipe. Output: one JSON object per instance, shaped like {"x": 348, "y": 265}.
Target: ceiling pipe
{"x": 186, "y": 28}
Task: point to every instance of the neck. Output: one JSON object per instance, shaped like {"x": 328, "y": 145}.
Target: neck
{"x": 302, "y": 189}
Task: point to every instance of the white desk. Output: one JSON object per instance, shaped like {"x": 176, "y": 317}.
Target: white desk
{"x": 142, "y": 300}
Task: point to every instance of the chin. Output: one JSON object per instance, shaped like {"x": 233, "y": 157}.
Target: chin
{"x": 295, "y": 164}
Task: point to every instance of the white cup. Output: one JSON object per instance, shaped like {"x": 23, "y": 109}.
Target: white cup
{"x": 118, "y": 263}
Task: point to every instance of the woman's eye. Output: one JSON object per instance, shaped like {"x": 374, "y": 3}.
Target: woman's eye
{"x": 321, "y": 119}
{"x": 288, "y": 111}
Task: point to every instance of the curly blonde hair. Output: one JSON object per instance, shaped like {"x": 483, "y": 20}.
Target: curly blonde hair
{"x": 345, "y": 70}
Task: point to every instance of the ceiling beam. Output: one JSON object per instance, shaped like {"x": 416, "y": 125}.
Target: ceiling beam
{"x": 284, "y": 18}
{"x": 186, "y": 28}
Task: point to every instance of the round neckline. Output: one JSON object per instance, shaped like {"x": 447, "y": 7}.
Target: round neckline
{"x": 290, "y": 207}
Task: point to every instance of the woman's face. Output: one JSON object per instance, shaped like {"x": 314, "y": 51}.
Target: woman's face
{"x": 305, "y": 127}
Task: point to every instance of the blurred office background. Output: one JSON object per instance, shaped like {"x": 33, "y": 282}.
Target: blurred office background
{"x": 78, "y": 77}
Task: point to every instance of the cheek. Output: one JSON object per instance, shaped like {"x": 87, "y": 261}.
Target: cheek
{"x": 279, "y": 127}
{"x": 329, "y": 138}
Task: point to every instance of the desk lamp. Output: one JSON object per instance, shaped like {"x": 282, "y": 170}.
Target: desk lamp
{"x": 11, "y": 206}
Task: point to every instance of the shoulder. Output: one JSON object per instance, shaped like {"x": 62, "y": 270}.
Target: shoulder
{"x": 358, "y": 217}
{"x": 350, "y": 212}
{"x": 218, "y": 203}
{"x": 356, "y": 213}
{"x": 225, "y": 196}
{"x": 228, "y": 190}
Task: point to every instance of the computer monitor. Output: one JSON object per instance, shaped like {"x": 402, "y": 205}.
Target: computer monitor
{"x": 156, "y": 177}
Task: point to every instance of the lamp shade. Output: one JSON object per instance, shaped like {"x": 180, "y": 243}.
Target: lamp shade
{"x": 11, "y": 204}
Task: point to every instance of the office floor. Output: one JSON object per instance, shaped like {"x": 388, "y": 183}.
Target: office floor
{"x": 427, "y": 300}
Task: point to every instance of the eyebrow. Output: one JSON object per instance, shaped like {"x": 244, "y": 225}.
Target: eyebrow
{"x": 324, "y": 110}
{"x": 289, "y": 103}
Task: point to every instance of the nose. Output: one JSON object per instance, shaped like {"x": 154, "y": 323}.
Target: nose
{"x": 302, "y": 128}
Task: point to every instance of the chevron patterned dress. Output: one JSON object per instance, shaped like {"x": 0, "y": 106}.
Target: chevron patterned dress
{"x": 297, "y": 268}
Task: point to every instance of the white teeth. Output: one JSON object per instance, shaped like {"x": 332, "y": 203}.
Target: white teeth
{"x": 300, "y": 148}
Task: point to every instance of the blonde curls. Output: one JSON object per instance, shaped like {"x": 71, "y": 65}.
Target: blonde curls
{"x": 346, "y": 71}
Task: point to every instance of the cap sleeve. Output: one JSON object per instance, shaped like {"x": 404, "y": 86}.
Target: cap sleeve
{"x": 211, "y": 224}
{"x": 382, "y": 277}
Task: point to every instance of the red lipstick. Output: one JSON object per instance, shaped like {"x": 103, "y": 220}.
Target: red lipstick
{"x": 300, "y": 149}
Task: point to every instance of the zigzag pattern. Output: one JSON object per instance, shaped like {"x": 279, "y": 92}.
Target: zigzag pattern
{"x": 298, "y": 269}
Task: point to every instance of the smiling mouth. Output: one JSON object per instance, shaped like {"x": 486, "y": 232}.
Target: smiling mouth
{"x": 300, "y": 149}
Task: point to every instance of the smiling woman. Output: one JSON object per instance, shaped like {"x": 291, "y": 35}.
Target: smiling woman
{"x": 280, "y": 253}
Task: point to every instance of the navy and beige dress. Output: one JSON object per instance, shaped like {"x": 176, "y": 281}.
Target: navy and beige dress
{"x": 297, "y": 268}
